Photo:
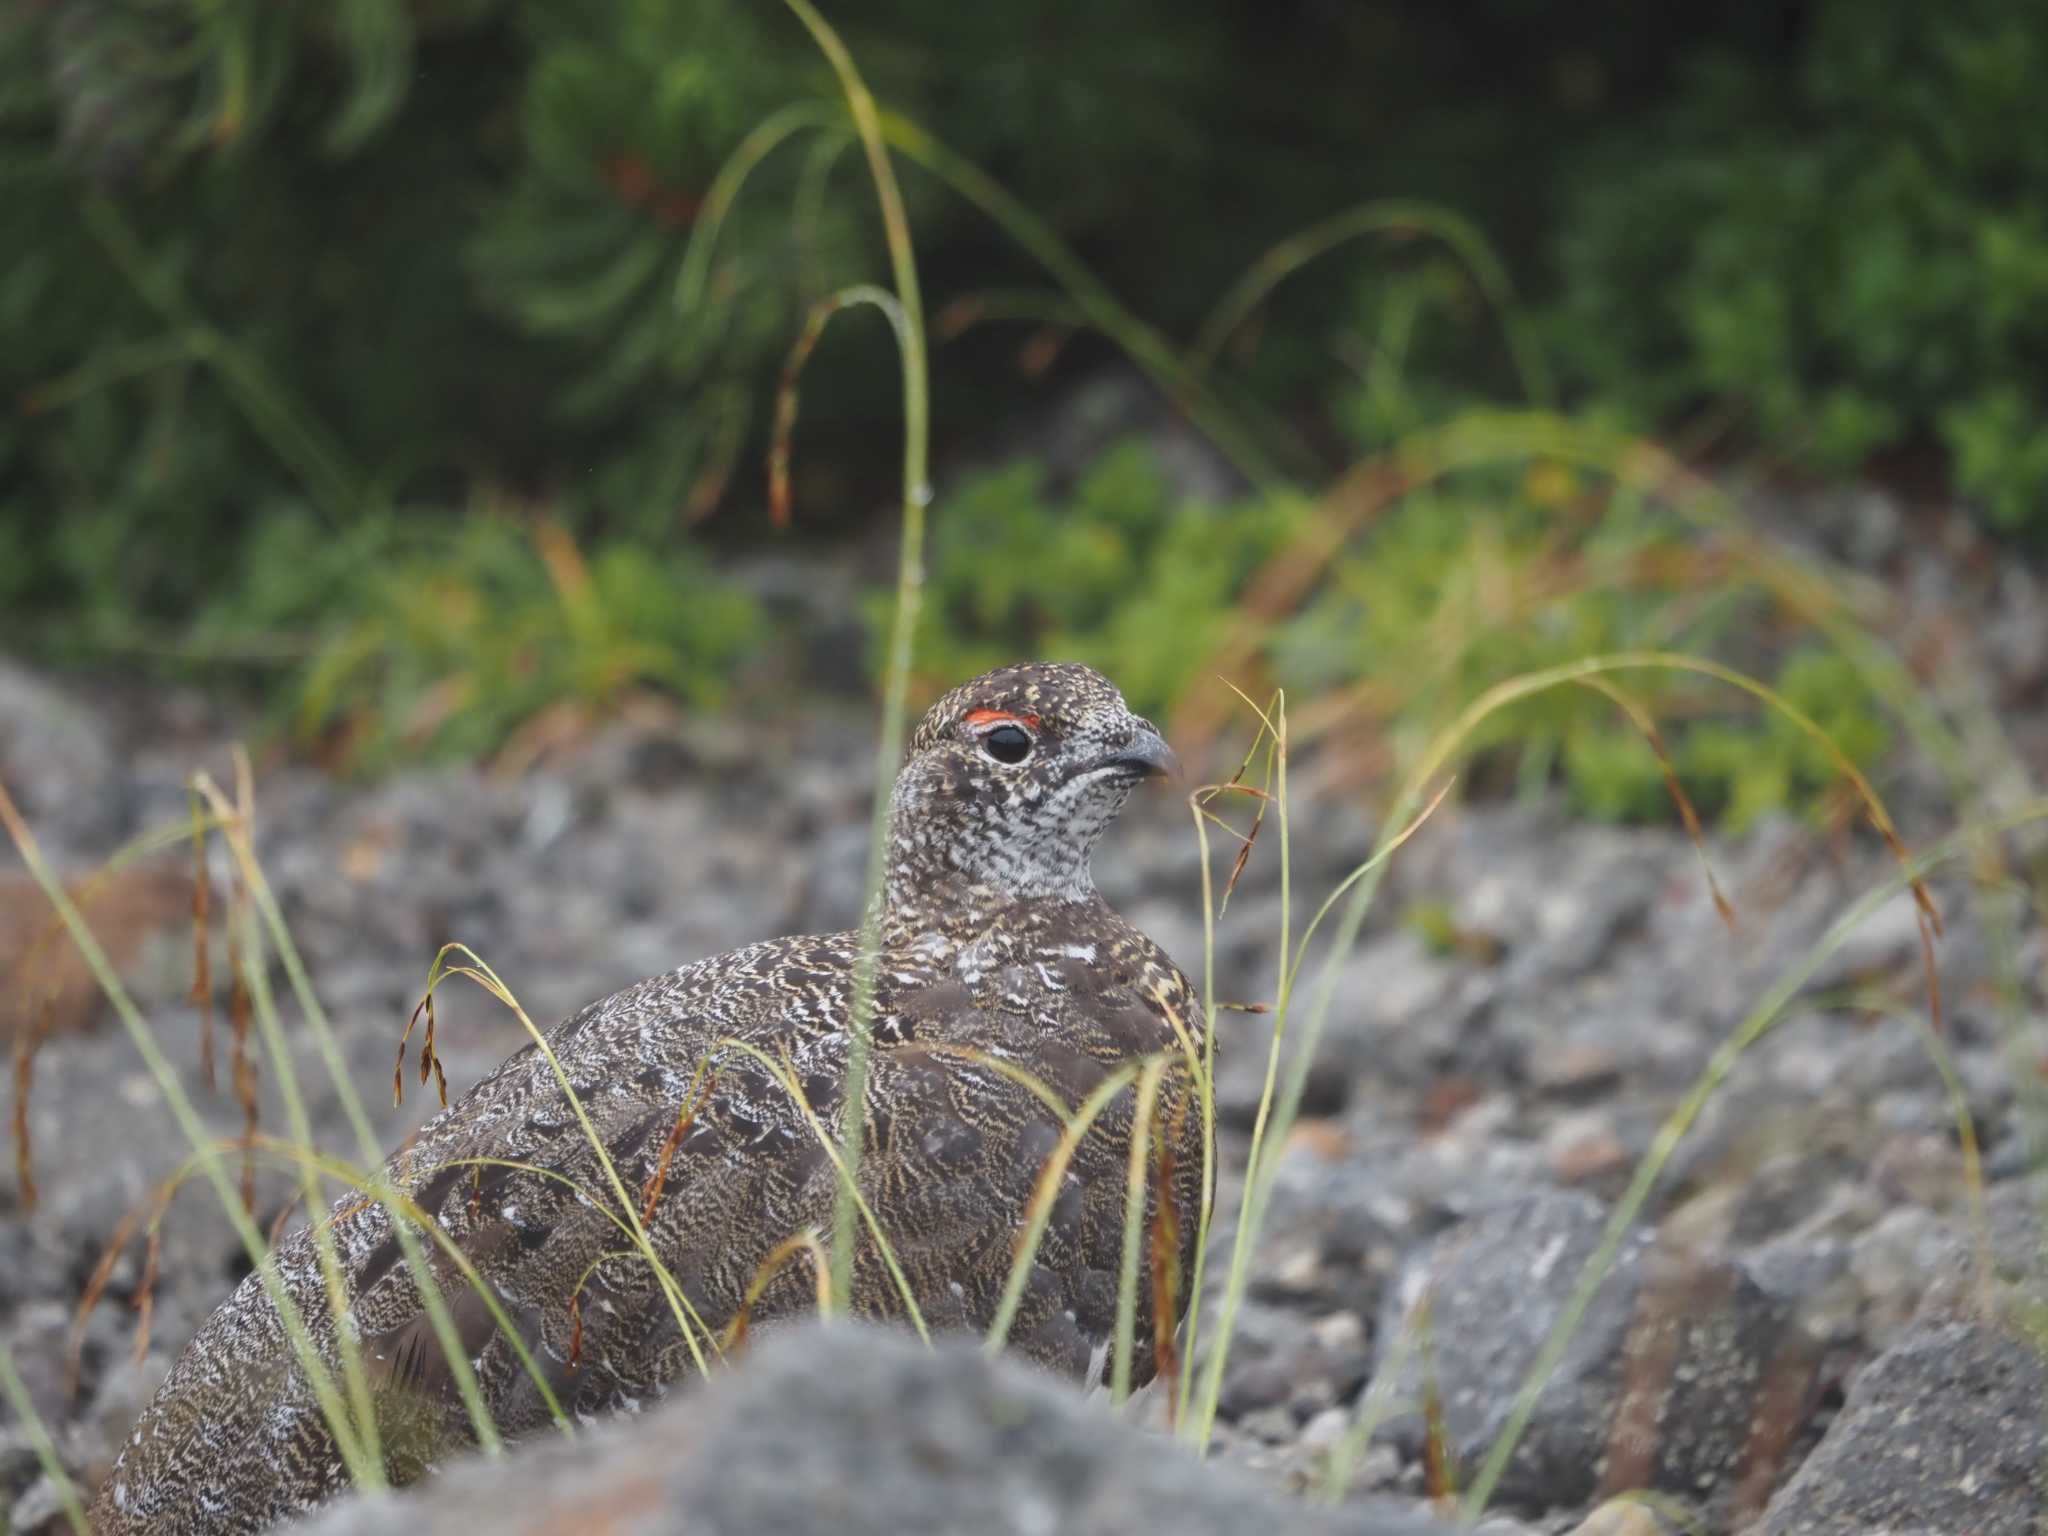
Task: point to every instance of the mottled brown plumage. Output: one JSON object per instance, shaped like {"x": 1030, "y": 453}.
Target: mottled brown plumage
{"x": 993, "y": 941}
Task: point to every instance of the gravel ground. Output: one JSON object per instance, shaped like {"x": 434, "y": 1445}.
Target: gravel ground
{"x": 1805, "y": 1296}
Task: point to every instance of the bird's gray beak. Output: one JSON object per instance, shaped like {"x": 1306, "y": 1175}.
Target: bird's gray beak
{"x": 1146, "y": 756}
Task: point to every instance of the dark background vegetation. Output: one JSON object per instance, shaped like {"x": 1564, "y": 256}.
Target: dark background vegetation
{"x": 354, "y": 353}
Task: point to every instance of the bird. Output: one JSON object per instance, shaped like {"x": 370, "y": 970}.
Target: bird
{"x": 1004, "y": 989}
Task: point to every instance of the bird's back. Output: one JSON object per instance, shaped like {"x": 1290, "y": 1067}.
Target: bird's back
{"x": 707, "y": 1089}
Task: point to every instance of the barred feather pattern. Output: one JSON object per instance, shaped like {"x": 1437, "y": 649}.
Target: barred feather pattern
{"x": 994, "y": 947}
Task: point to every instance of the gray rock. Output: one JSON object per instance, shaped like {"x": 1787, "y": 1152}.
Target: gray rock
{"x": 58, "y": 760}
{"x": 856, "y": 1431}
{"x": 1676, "y": 1362}
{"x": 1278, "y": 1357}
{"x": 1943, "y": 1432}
{"x": 1894, "y": 1263}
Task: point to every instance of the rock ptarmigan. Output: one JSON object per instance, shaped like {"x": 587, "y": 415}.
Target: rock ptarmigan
{"x": 995, "y": 946}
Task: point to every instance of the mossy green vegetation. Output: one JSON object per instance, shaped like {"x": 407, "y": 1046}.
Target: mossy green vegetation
{"x": 1449, "y": 591}
{"x": 294, "y": 294}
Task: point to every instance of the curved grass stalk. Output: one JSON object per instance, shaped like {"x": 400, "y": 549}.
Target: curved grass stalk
{"x": 287, "y": 426}
{"x": 1434, "y": 759}
{"x": 376, "y": 1190}
{"x": 1529, "y": 683}
{"x": 1377, "y": 1403}
{"x": 728, "y": 183}
{"x": 1298, "y": 250}
{"x": 348, "y": 1446}
{"x": 1966, "y": 1131}
{"x": 820, "y": 316}
{"x": 1144, "y": 345}
{"x": 1039, "y": 1211}
{"x": 808, "y": 210}
{"x": 1023, "y": 1077}
{"x": 237, "y": 831}
{"x": 849, "y": 1190}
{"x": 1448, "y": 741}
{"x": 1380, "y": 856}
{"x": 1280, "y": 1098}
{"x": 598, "y": 1204}
{"x": 401, "y": 1204}
{"x": 1295, "y": 1083}
{"x": 1134, "y": 1225}
{"x": 378, "y": 41}
{"x": 769, "y": 1268}
{"x": 1206, "y": 1079}
{"x": 917, "y": 495}
{"x": 113, "y": 366}
{"x": 1032, "y": 305}
{"x": 15, "y": 1394}
{"x": 696, "y": 1094}
{"x": 481, "y": 973}
{"x": 576, "y": 1300}
{"x": 1673, "y": 1130}
{"x": 29, "y": 1036}
{"x": 1250, "y": 1201}
{"x": 256, "y": 978}
{"x": 1646, "y": 727}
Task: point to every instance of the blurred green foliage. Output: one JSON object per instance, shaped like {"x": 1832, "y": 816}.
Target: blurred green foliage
{"x": 290, "y": 291}
{"x": 1118, "y": 572}
{"x": 438, "y": 639}
{"x": 1446, "y": 595}
{"x": 1852, "y": 241}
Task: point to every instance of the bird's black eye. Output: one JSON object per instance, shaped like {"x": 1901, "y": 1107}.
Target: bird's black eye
{"x": 1007, "y": 744}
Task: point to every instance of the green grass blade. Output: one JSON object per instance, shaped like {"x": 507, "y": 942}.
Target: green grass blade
{"x": 1460, "y": 234}
{"x": 917, "y": 497}
{"x": 317, "y": 1025}
{"x": 1748, "y": 1032}
{"x": 365, "y": 1472}
{"x": 17, "y": 1398}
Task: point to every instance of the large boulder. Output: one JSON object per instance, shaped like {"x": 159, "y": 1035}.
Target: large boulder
{"x": 1685, "y": 1375}
{"x": 863, "y": 1432}
{"x": 1942, "y": 1432}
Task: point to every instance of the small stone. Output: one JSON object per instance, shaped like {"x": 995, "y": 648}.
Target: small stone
{"x": 1339, "y": 1331}
{"x": 1919, "y": 1169}
{"x": 1583, "y": 1148}
{"x": 1626, "y": 1517}
{"x": 1298, "y": 1270}
{"x": 1325, "y": 1429}
{"x": 1311, "y": 1396}
{"x": 1894, "y": 1263}
{"x": 1578, "y": 1070}
{"x": 1275, "y": 1426}
{"x": 39, "y": 1509}
{"x": 1378, "y": 1466}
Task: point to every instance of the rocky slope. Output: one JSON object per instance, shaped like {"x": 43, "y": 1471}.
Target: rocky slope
{"x": 1806, "y": 1282}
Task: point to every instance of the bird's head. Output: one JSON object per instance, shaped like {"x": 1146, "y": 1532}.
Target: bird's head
{"x": 1010, "y": 780}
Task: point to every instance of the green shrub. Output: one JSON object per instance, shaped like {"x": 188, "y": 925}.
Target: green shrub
{"x": 1446, "y": 595}
{"x": 1117, "y": 572}
{"x": 440, "y": 642}
{"x": 271, "y": 306}
{"x": 1853, "y": 244}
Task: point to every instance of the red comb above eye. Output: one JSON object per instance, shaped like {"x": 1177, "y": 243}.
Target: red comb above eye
{"x": 990, "y": 716}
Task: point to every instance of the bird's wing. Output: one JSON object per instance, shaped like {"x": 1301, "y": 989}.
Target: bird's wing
{"x": 674, "y": 1132}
